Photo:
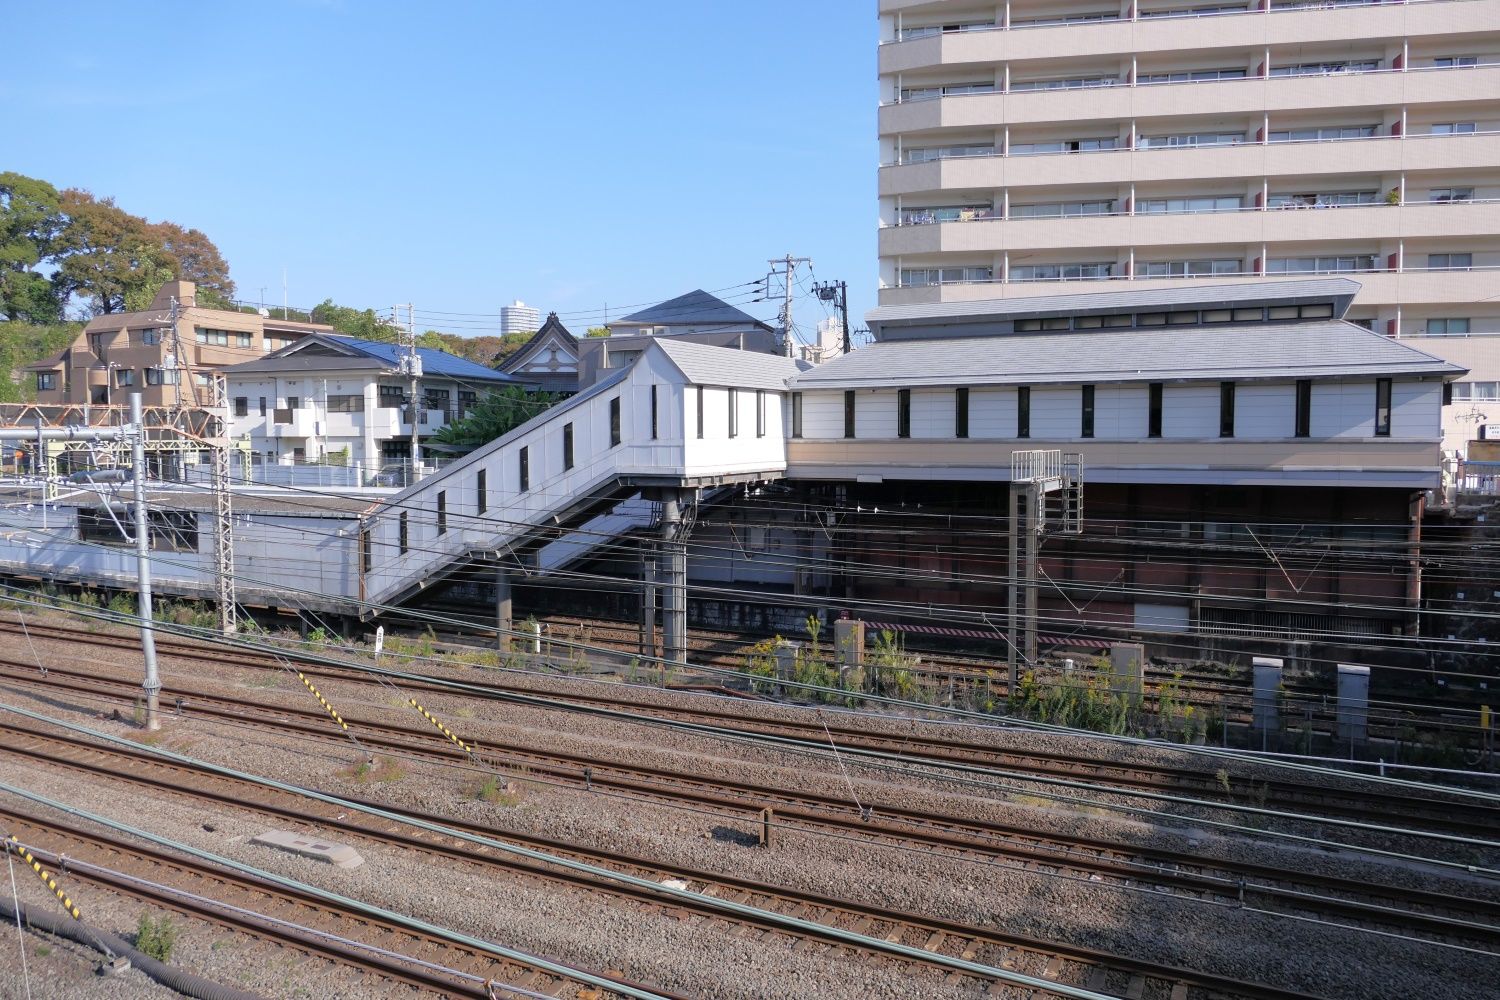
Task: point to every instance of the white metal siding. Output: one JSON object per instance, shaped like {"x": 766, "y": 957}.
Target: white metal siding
{"x": 1056, "y": 412}
{"x": 1190, "y": 411}
{"x": 932, "y": 413}
{"x": 992, "y": 413}
{"x": 1265, "y": 410}
{"x": 1343, "y": 409}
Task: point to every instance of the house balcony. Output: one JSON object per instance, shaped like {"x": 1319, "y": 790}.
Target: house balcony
{"x": 1148, "y": 35}
{"x": 1279, "y": 226}
{"x": 1384, "y": 88}
{"x": 1374, "y": 155}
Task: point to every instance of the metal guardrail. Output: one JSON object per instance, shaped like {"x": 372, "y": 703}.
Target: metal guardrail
{"x": 1036, "y": 465}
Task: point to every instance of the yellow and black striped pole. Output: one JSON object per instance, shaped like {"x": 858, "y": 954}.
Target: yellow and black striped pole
{"x": 323, "y": 701}
{"x": 441, "y": 728}
{"x": 45, "y": 876}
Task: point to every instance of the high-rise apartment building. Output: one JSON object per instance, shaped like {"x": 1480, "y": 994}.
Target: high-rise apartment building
{"x": 1035, "y": 146}
{"x": 518, "y": 317}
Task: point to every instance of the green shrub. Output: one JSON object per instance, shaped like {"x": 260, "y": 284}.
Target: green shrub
{"x": 156, "y": 937}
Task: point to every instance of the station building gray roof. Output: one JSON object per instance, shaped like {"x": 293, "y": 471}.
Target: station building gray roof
{"x": 696, "y": 308}
{"x": 1339, "y": 291}
{"x": 703, "y": 364}
{"x": 1238, "y": 352}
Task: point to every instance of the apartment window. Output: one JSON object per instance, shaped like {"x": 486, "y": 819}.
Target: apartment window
{"x": 366, "y": 551}
{"x": 403, "y": 536}
{"x": 926, "y": 154}
{"x": 1062, "y": 210}
{"x": 46, "y": 381}
{"x": 1190, "y": 139}
{"x": 1153, "y": 416}
{"x": 1177, "y": 206}
{"x": 442, "y": 512}
{"x": 1062, "y": 272}
{"x": 1066, "y": 146}
{"x": 391, "y": 397}
{"x": 1218, "y": 315}
{"x": 1303, "y": 427}
{"x": 760, "y": 413}
{"x": 1450, "y": 261}
{"x": 1323, "y": 199}
{"x": 294, "y": 402}
{"x": 1382, "y": 407}
{"x": 1317, "y": 310}
{"x": 222, "y": 338}
{"x": 796, "y": 414}
{"x": 653, "y": 412}
{"x": 1066, "y": 83}
{"x": 1331, "y": 68}
{"x": 1453, "y": 128}
{"x": 150, "y": 338}
{"x": 614, "y": 421}
{"x": 124, "y": 377}
{"x": 467, "y": 400}
{"x": 734, "y": 413}
{"x": 848, "y": 413}
{"x": 163, "y": 376}
{"x": 1321, "y": 265}
{"x": 241, "y": 406}
{"x": 920, "y": 276}
{"x": 1449, "y": 195}
{"x": 1466, "y": 392}
{"x": 437, "y": 399}
{"x": 1086, "y": 416}
{"x": 903, "y": 413}
{"x": 523, "y": 468}
{"x": 1281, "y": 312}
{"x": 1226, "y": 409}
{"x": 1455, "y": 62}
{"x": 482, "y": 490}
{"x": 1252, "y": 315}
{"x": 961, "y": 412}
{"x": 1447, "y": 328}
{"x": 1325, "y": 134}
{"x": 700, "y": 411}
{"x": 1023, "y": 411}
{"x": 567, "y": 446}
{"x": 262, "y": 406}
{"x": 1192, "y": 76}
{"x": 1190, "y": 268}
{"x": 346, "y": 403}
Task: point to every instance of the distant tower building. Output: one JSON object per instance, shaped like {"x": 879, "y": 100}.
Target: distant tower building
{"x": 829, "y": 344}
{"x": 518, "y": 317}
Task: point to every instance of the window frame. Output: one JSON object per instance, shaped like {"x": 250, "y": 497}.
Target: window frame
{"x": 481, "y": 491}
{"x": 1023, "y": 411}
{"x": 1086, "y": 412}
{"x": 961, "y": 412}
{"x": 734, "y": 412}
{"x": 851, "y": 410}
{"x": 1155, "y": 393}
{"x": 1382, "y": 407}
{"x": 403, "y": 534}
{"x": 442, "y": 512}
{"x": 567, "y": 446}
{"x": 614, "y": 422}
{"x": 1302, "y": 412}
{"x": 903, "y": 413}
{"x": 1226, "y": 409}
{"x": 523, "y": 469}
{"x": 796, "y": 414}
{"x": 700, "y": 413}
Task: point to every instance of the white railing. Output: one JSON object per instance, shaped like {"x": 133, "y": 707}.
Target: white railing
{"x": 995, "y": 215}
{"x": 1035, "y": 466}
{"x": 1260, "y": 275}
{"x": 1163, "y": 147}
{"x": 1293, "y": 7}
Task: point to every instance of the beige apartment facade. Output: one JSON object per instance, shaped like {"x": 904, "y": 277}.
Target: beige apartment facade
{"x": 137, "y": 352}
{"x": 1036, "y": 146}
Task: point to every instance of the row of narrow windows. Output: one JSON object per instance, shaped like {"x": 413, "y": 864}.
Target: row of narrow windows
{"x": 1302, "y": 415}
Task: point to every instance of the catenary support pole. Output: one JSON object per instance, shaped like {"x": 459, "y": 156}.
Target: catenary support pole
{"x": 504, "y": 609}
{"x": 152, "y": 683}
{"x": 674, "y": 553}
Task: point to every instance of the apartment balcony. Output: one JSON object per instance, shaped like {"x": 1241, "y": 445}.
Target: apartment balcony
{"x": 1374, "y": 155}
{"x": 1145, "y": 36}
{"x": 1412, "y": 287}
{"x": 1279, "y": 226}
{"x": 299, "y": 423}
{"x": 1373, "y": 89}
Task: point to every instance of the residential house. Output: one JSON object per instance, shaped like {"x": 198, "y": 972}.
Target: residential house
{"x": 697, "y": 317}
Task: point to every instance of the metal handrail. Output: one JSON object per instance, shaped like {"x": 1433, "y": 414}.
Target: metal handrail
{"x": 1265, "y": 276}
{"x": 1311, "y": 5}
{"x": 1200, "y": 146}
{"x": 996, "y": 216}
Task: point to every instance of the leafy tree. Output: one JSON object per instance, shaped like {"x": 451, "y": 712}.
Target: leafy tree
{"x": 364, "y": 324}
{"x": 30, "y": 218}
{"x": 23, "y": 343}
{"x": 498, "y": 413}
{"x": 597, "y": 331}
{"x": 117, "y": 261}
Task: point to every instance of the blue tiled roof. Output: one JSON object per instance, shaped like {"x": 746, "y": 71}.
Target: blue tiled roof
{"x": 434, "y": 362}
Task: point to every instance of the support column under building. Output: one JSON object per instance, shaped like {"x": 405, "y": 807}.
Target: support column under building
{"x": 1021, "y": 593}
{"x": 504, "y": 609}
{"x": 674, "y": 562}
{"x": 648, "y": 600}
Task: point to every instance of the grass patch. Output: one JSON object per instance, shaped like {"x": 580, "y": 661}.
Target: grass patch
{"x": 156, "y": 936}
{"x": 42, "y": 951}
{"x": 384, "y": 770}
{"x": 498, "y": 793}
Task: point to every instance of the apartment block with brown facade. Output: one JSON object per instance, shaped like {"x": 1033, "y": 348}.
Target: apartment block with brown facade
{"x": 121, "y": 353}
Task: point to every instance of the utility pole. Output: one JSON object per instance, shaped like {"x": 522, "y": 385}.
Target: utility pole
{"x": 411, "y": 366}
{"x": 837, "y": 292}
{"x": 789, "y": 263}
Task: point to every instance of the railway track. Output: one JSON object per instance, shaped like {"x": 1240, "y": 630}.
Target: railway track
{"x": 1447, "y": 815}
{"x": 1434, "y": 915}
{"x": 1064, "y": 964}
{"x": 390, "y": 950}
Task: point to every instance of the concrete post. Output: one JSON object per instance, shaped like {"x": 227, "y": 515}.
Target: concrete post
{"x": 152, "y": 684}
{"x": 1127, "y": 667}
{"x": 1265, "y": 717}
{"x": 1353, "y": 704}
{"x": 849, "y": 643}
{"x": 675, "y": 553}
{"x": 648, "y": 603}
{"x": 504, "y": 609}
{"x": 786, "y": 659}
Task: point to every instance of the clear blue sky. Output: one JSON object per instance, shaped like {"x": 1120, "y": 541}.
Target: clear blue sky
{"x": 462, "y": 154}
